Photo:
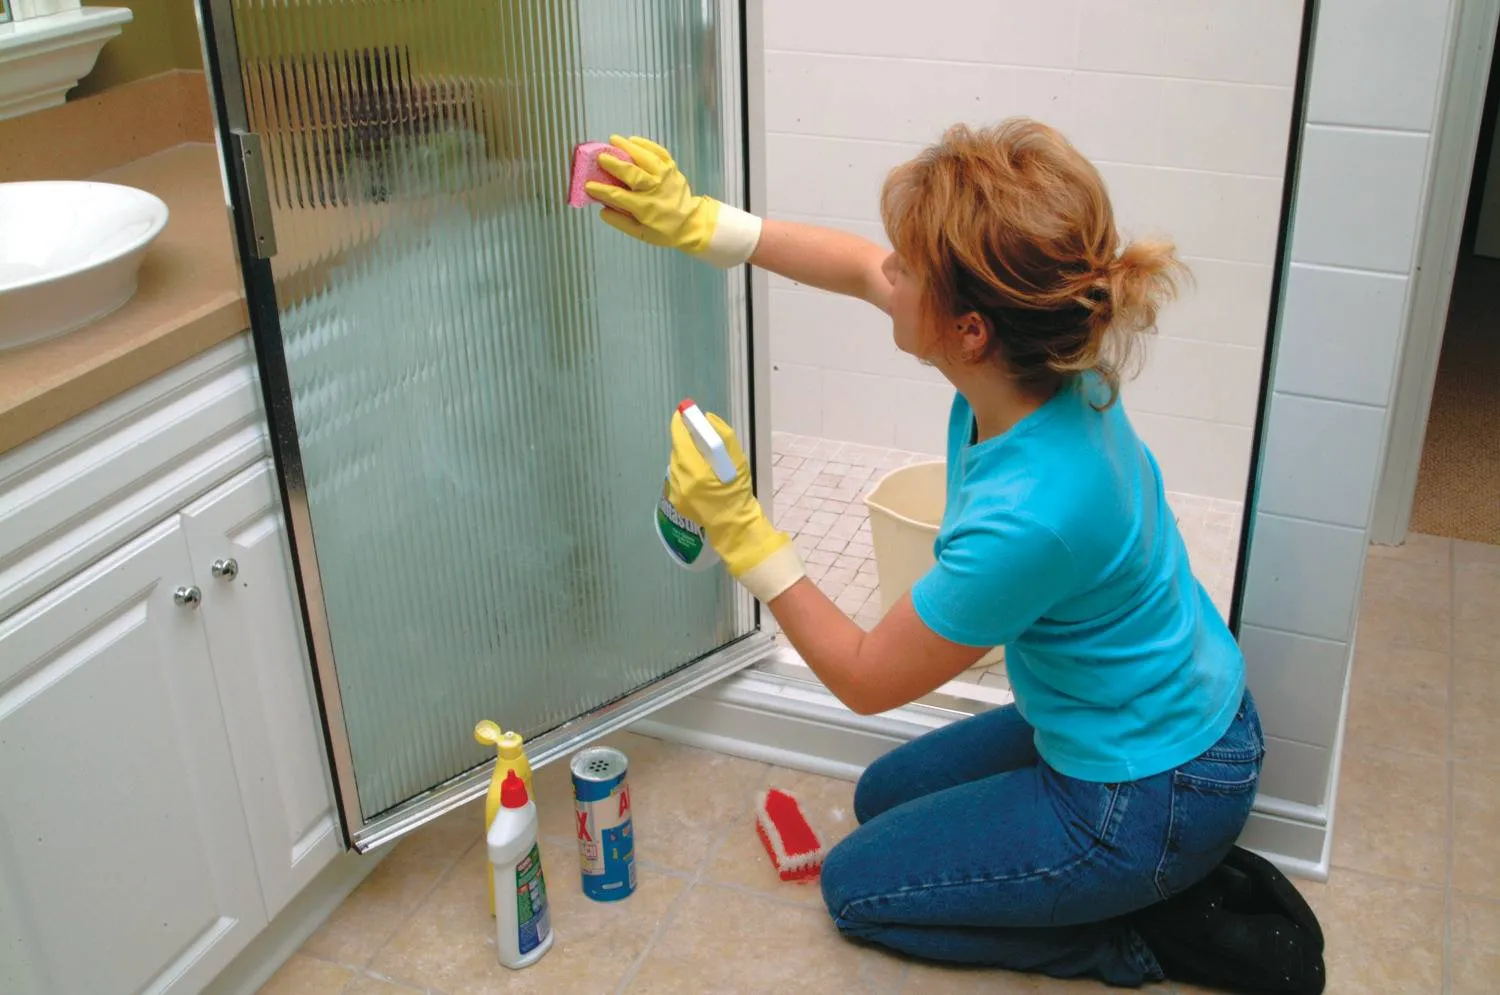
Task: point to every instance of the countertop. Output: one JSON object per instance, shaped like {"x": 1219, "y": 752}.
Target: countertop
{"x": 191, "y": 298}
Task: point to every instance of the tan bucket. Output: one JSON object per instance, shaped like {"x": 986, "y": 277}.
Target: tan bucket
{"x": 906, "y": 509}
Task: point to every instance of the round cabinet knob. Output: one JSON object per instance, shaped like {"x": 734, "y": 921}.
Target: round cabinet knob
{"x": 188, "y": 597}
{"x": 226, "y": 569}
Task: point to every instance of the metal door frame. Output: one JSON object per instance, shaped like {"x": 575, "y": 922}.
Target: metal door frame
{"x": 255, "y": 244}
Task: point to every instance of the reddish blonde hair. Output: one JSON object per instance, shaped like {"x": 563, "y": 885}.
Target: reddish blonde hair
{"x": 1013, "y": 223}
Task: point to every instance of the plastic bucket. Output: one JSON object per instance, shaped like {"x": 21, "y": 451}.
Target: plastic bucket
{"x": 906, "y": 510}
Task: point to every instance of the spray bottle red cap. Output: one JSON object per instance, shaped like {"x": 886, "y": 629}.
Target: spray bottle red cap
{"x": 513, "y": 791}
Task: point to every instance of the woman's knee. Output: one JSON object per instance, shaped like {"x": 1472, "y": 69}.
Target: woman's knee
{"x": 878, "y": 788}
{"x": 840, "y": 879}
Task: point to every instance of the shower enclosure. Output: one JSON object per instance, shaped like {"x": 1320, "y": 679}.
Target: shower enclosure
{"x": 469, "y": 383}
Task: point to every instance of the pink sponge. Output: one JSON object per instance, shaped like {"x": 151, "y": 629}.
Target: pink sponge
{"x": 586, "y": 169}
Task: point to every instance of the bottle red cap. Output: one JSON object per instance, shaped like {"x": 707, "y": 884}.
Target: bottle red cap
{"x": 513, "y": 791}
{"x": 686, "y": 403}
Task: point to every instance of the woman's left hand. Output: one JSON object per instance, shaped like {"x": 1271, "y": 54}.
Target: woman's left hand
{"x": 754, "y": 552}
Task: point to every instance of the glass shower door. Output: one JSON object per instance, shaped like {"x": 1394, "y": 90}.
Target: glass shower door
{"x": 469, "y": 382}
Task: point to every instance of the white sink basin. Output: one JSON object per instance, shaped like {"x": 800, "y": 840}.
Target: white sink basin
{"x": 69, "y": 254}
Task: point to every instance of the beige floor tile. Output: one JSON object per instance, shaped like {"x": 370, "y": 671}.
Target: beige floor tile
{"x": 1475, "y": 554}
{"x": 724, "y": 940}
{"x": 449, "y": 944}
{"x": 1476, "y": 829}
{"x": 1406, "y": 603}
{"x": 1476, "y": 703}
{"x": 933, "y": 979}
{"x": 681, "y": 799}
{"x": 1475, "y": 956}
{"x": 367, "y": 984}
{"x": 1418, "y": 548}
{"x": 741, "y": 860}
{"x": 1382, "y": 936}
{"x": 1392, "y": 814}
{"x": 1476, "y": 612}
{"x": 303, "y": 975}
{"x": 1399, "y": 699}
{"x": 385, "y": 899}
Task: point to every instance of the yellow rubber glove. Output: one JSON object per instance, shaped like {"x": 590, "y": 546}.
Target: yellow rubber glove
{"x": 755, "y": 553}
{"x": 660, "y": 208}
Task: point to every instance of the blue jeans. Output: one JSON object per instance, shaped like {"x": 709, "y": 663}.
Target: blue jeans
{"x": 971, "y": 850}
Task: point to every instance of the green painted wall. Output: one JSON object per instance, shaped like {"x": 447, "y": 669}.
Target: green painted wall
{"x": 162, "y": 36}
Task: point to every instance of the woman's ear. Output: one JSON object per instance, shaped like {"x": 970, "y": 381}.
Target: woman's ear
{"x": 972, "y": 332}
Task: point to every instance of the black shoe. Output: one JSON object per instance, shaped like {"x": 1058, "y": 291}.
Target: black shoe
{"x": 1202, "y": 937}
{"x": 1254, "y": 885}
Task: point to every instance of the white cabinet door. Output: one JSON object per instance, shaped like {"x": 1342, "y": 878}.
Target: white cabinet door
{"x": 124, "y": 861}
{"x": 255, "y": 636}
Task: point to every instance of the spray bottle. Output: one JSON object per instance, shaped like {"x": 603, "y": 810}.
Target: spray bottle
{"x": 684, "y": 539}
{"x": 510, "y": 757}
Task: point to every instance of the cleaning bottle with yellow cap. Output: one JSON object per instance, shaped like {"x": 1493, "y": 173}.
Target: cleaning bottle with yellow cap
{"x": 510, "y": 755}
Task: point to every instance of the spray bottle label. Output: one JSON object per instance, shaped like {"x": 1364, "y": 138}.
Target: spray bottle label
{"x": 532, "y": 919}
{"x": 683, "y": 536}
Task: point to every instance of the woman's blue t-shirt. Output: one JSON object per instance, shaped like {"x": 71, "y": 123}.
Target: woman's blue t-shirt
{"x": 1057, "y": 543}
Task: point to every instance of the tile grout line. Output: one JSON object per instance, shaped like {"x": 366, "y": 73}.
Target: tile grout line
{"x": 1448, "y": 848}
{"x": 671, "y": 914}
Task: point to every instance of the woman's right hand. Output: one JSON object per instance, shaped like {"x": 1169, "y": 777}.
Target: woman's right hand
{"x": 657, "y": 206}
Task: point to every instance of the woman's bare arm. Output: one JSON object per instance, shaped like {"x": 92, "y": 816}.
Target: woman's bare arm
{"x": 824, "y": 258}
{"x": 897, "y": 662}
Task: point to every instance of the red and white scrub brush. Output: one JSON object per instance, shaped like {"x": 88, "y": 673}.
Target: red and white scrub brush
{"x": 794, "y": 846}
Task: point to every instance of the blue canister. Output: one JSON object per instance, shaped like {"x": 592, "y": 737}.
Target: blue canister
{"x": 606, "y": 843}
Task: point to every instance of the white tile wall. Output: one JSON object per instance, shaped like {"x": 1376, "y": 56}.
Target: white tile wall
{"x": 1298, "y": 575}
{"x": 1377, "y": 70}
{"x": 1310, "y": 479}
{"x": 1340, "y": 333}
{"x": 1296, "y": 681}
{"x": 1383, "y": 72}
{"x": 1370, "y": 183}
{"x": 1184, "y": 104}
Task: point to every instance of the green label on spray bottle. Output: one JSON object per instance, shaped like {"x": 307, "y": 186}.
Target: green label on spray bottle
{"x": 683, "y": 536}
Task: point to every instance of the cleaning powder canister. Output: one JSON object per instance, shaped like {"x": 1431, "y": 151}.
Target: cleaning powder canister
{"x": 510, "y": 755}
{"x": 523, "y": 922}
{"x": 606, "y": 842}
{"x": 684, "y": 538}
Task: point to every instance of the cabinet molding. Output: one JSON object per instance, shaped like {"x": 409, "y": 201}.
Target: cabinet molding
{"x": 72, "y": 495}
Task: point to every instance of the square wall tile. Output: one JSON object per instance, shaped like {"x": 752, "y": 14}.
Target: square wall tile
{"x": 1118, "y": 117}
{"x": 1225, "y": 302}
{"x": 1234, "y": 41}
{"x": 1003, "y": 32}
{"x": 922, "y": 416}
{"x": 858, "y": 408}
{"x": 830, "y": 177}
{"x": 1197, "y": 457}
{"x": 1209, "y": 381}
{"x": 1123, "y": 37}
{"x": 1226, "y": 127}
{"x": 902, "y": 100}
{"x": 839, "y": 333}
{"x": 1321, "y": 459}
{"x": 796, "y": 399}
{"x": 1296, "y": 772}
{"x": 1384, "y": 65}
{"x": 1340, "y": 334}
{"x": 1207, "y": 214}
{"x": 1369, "y": 188}
{"x": 1303, "y": 576}
{"x": 1298, "y": 683}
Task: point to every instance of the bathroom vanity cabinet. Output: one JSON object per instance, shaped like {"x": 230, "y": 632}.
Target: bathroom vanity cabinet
{"x": 165, "y": 787}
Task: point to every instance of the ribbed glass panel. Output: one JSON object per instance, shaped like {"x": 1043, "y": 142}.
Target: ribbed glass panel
{"x": 481, "y": 376}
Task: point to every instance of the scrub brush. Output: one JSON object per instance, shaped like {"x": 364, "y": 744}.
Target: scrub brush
{"x": 586, "y": 169}
{"x": 794, "y": 846}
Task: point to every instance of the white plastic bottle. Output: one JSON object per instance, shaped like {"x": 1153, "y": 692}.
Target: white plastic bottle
{"x": 684, "y": 539}
{"x": 523, "y": 920}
